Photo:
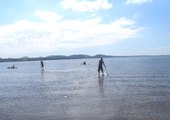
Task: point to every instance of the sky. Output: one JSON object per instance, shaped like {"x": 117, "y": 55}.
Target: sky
{"x": 64, "y": 27}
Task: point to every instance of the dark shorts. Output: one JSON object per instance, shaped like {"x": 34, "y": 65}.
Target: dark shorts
{"x": 100, "y": 69}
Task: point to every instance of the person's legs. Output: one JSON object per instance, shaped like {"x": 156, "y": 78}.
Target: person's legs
{"x": 99, "y": 71}
{"x": 102, "y": 71}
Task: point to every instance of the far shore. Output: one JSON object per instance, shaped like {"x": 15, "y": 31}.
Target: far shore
{"x": 63, "y": 57}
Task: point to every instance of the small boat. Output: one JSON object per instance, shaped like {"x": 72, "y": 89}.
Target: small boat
{"x": 13, "y": 67}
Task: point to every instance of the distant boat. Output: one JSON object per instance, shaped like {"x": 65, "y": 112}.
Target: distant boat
{"x": 13, "y": 67}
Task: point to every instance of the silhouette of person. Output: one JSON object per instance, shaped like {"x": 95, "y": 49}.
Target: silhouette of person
{"x": 84, "y": 63}
{"x": 42, "y": 64}
{"x": 100, "y": 67}
{"x": 13, "y": 66}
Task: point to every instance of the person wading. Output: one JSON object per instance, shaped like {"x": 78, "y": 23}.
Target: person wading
{"x": 42, "y": 64}
{"x": 100, "y": 67}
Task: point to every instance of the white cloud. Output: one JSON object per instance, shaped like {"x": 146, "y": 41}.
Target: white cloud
{"x": 85, "y": 5}
{"x": 48, "y": 16}
{"x": 30, "y": 37}
{"x": 137, "y": 1}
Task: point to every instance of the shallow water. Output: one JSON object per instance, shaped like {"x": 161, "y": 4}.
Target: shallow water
{"x": 137, "y": 88}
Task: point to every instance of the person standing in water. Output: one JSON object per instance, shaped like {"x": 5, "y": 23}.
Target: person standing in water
{"x": 100, "y": 67}
{"x": 42, "y": 64}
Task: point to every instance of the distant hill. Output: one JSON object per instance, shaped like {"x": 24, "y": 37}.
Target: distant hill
{"x": 53, "y": 57}
{"x": 102, "y": 56}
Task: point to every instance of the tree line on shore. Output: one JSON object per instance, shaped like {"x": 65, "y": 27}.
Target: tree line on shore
{"x": 53, "y": 57}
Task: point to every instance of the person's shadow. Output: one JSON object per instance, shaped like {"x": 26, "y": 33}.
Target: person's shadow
{"x": 101, "y": 85}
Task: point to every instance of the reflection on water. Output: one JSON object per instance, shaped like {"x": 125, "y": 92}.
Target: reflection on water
{"x": 101, "y": 85}
{"x": 42, "y": 74}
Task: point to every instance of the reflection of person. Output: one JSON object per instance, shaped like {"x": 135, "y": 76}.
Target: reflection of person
{"x": 42, "y": 64}
{"x": 100, "y": 67}
{"x": 101, "y": 86}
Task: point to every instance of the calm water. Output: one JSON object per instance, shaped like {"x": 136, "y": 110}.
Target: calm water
{"x": 137, "y": 88}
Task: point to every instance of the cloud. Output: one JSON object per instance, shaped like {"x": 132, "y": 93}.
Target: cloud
{"x": 137, "y": 1}
{"x": 29, "y": 37}
{"x": 48, "y": 16}
{"x": 85, "y": 5}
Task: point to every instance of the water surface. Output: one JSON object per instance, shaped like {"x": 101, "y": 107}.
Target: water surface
{"x": 137, "y": 88}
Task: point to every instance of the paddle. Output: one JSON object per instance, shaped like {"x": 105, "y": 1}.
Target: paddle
{"x": 106, "y": 70}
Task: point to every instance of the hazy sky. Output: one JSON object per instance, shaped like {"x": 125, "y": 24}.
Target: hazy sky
{"x": 64, "y": 27}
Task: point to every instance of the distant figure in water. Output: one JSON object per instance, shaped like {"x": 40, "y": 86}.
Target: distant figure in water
{"x": 12, "y": 67}
{"x": 84, "y": 63}
{"x": 42, "y": 64}
{"x": 100, "y": 67}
